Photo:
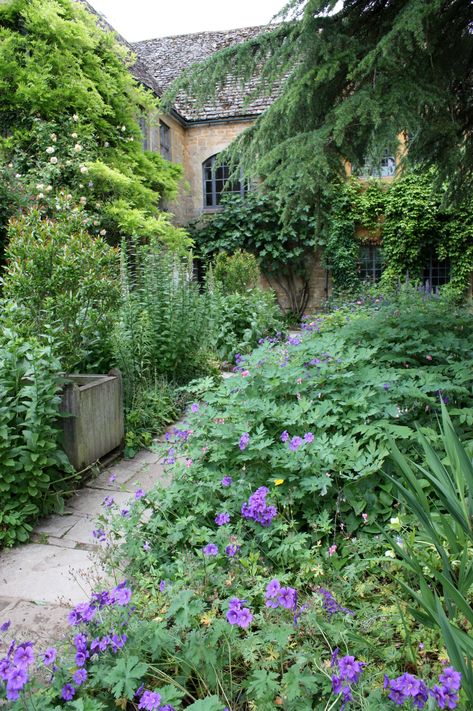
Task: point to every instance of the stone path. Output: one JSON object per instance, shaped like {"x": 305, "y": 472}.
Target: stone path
{"x": 41, "y": 580}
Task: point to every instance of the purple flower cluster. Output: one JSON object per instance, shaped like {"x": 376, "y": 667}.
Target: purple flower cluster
{"x": 278, "y": 596}
{"x": 244, "y": 441}
{"x": 227, "y": 481}
{"x": 409, "y": 687}
{"x": 222, "y": 518}
{"x": 348, "y": 673}
{"x": 231, "y": 550}
{"x": 294, "y": 340}
{"x": 297, "y": 441}
{"x": 14, "y": 668}
{"x": 237, "y": 614}
{"x": 257, "y": 509}
{"x": 330, "y": 605}
{"x": 86, "y": 611}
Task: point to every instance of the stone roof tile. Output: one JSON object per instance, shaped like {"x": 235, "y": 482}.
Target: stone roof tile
{"x": 160, "y": 61}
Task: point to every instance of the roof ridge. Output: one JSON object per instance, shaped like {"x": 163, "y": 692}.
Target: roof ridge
{"x": 203, "y": 32}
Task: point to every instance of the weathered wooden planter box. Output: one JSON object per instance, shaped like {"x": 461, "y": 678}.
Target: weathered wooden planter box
{"x": 94, "y": 422}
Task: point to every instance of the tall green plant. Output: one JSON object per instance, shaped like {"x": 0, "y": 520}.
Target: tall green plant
{"x": 164, "y": 322}
{"x": 439, "y": 493}
{"x": 34, "y": 472}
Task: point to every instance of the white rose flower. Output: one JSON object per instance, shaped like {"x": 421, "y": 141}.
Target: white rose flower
{"x": 106, "y": 144}
{"x": 68, "y": 196}
{"x": 83, "y": 200}
{"x": 84, "y": 169}
{"x": 48, "y": 188}
{"x": 40, "y": 196}
{"x": 75, "y": 117}
{"x": 74, "y": 135}
{"x": 18, "y": 175}
{"x": 53, "y": 160}
{"x": 39, "y": 186}
{"x": 103, "y": 232}
{"x": 50, "y": 149}
{"x": 10, "y": 165}
{"x": 53, "y": 137}
{"x": 123, "y": 128}
{"x": 78, "y": 147}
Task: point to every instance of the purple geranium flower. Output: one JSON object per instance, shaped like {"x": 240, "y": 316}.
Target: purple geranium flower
{"x": 24, "y": 656}
{"x": 222, "y": 518}
{"x": 244, "y": 441}
{"x": 295, "y": 443}
{"x": 49, "y": 656}
{"x": 79, "y": 677}
{"x": 210, "y": 549}
{"x": 149, "y": 701}
{"x": 227, "y": 481}
{"x": 231, "y": 550}
{"x": 284, "y": 436}
{"x": 308, "y": 437}
{"x": 68, "y": 692}
{"x": 139, "y": 493}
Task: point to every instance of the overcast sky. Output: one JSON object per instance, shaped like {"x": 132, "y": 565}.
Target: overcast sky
{"x": 144, "y": 19}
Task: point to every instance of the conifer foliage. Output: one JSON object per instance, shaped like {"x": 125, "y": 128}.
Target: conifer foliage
{"x": 351, "y": 78}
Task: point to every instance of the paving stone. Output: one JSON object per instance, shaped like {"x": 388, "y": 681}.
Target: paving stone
{"x": 122, "y": 472}
{"x": 56, "y": 525}
{"x": 81, "y": 532}
{"x": 42, "y": 573}
{"x": 149, "y": 476}
{"x": 42, "y": 623}
{"x": 89, "y": 501}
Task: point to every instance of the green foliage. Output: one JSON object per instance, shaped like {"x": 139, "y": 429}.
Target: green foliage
{"x": 243, "y": 319}
{"x": 34, "y": 473}
{"x": 349, "y": 79}
{"x": 438, "y": 493}
{"x": 150, "y": 408}
{"x": 254, "y": 224}
{"x": 65, "y": 283}
{"x": 69, "y": 119}
{"x": 408, "y": 218}
{"x": 237, "y": 272}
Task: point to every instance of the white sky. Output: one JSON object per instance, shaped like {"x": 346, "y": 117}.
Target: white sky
{"x": 145, "y": 19}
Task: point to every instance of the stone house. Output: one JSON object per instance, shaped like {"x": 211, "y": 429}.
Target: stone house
{"x": 193, "y": 136}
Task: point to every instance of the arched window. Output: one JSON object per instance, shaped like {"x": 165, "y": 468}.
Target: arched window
{"x": 216, "y": 182}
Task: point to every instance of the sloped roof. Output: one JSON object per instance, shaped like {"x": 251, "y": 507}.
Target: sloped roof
{"x": 165, "y": 58}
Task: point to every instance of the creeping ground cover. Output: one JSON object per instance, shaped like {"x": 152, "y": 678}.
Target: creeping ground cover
{"x": 281, "y": 568}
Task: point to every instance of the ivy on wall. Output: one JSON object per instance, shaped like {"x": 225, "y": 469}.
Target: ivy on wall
{"x": 407, "y": 218}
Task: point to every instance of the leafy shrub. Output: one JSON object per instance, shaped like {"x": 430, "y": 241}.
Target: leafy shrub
{"x": 242, "y": 319}
{"x": 34, "y": 472}
{"x": 237, "y": 272}
{"x": 153, "y": 406}
{"x": 66, "y": 283}
{"x": 255, "y": 224}
{"x": 69, "y": 119}
{"x": 347, "y": 390}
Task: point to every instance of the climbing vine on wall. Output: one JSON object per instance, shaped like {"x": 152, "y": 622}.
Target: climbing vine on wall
{"x": 407, "y": 218}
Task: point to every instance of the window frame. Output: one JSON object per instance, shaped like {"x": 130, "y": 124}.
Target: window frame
{"x": 371, "y": 269}
{"x": 210, "y": 163}
{"x": 165, "y": 143}
{"x": 438, "y": 271}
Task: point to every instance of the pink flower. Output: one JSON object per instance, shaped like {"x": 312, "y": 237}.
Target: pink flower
{"x": 188, "y": 463}
{"x": 332, "y": 550}
{"x": 428, "y": 357}
{"x": 364, "y": 516}
{"x": 245, "y": 373}
{"x": 299, "y": 381}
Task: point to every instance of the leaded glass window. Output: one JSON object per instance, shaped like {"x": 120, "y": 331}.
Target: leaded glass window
{"x": 436, "y": 271}
{"x": 370, "y": 263}
{"x": 165, "y": 140}
{"x": 216, "y": 181}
